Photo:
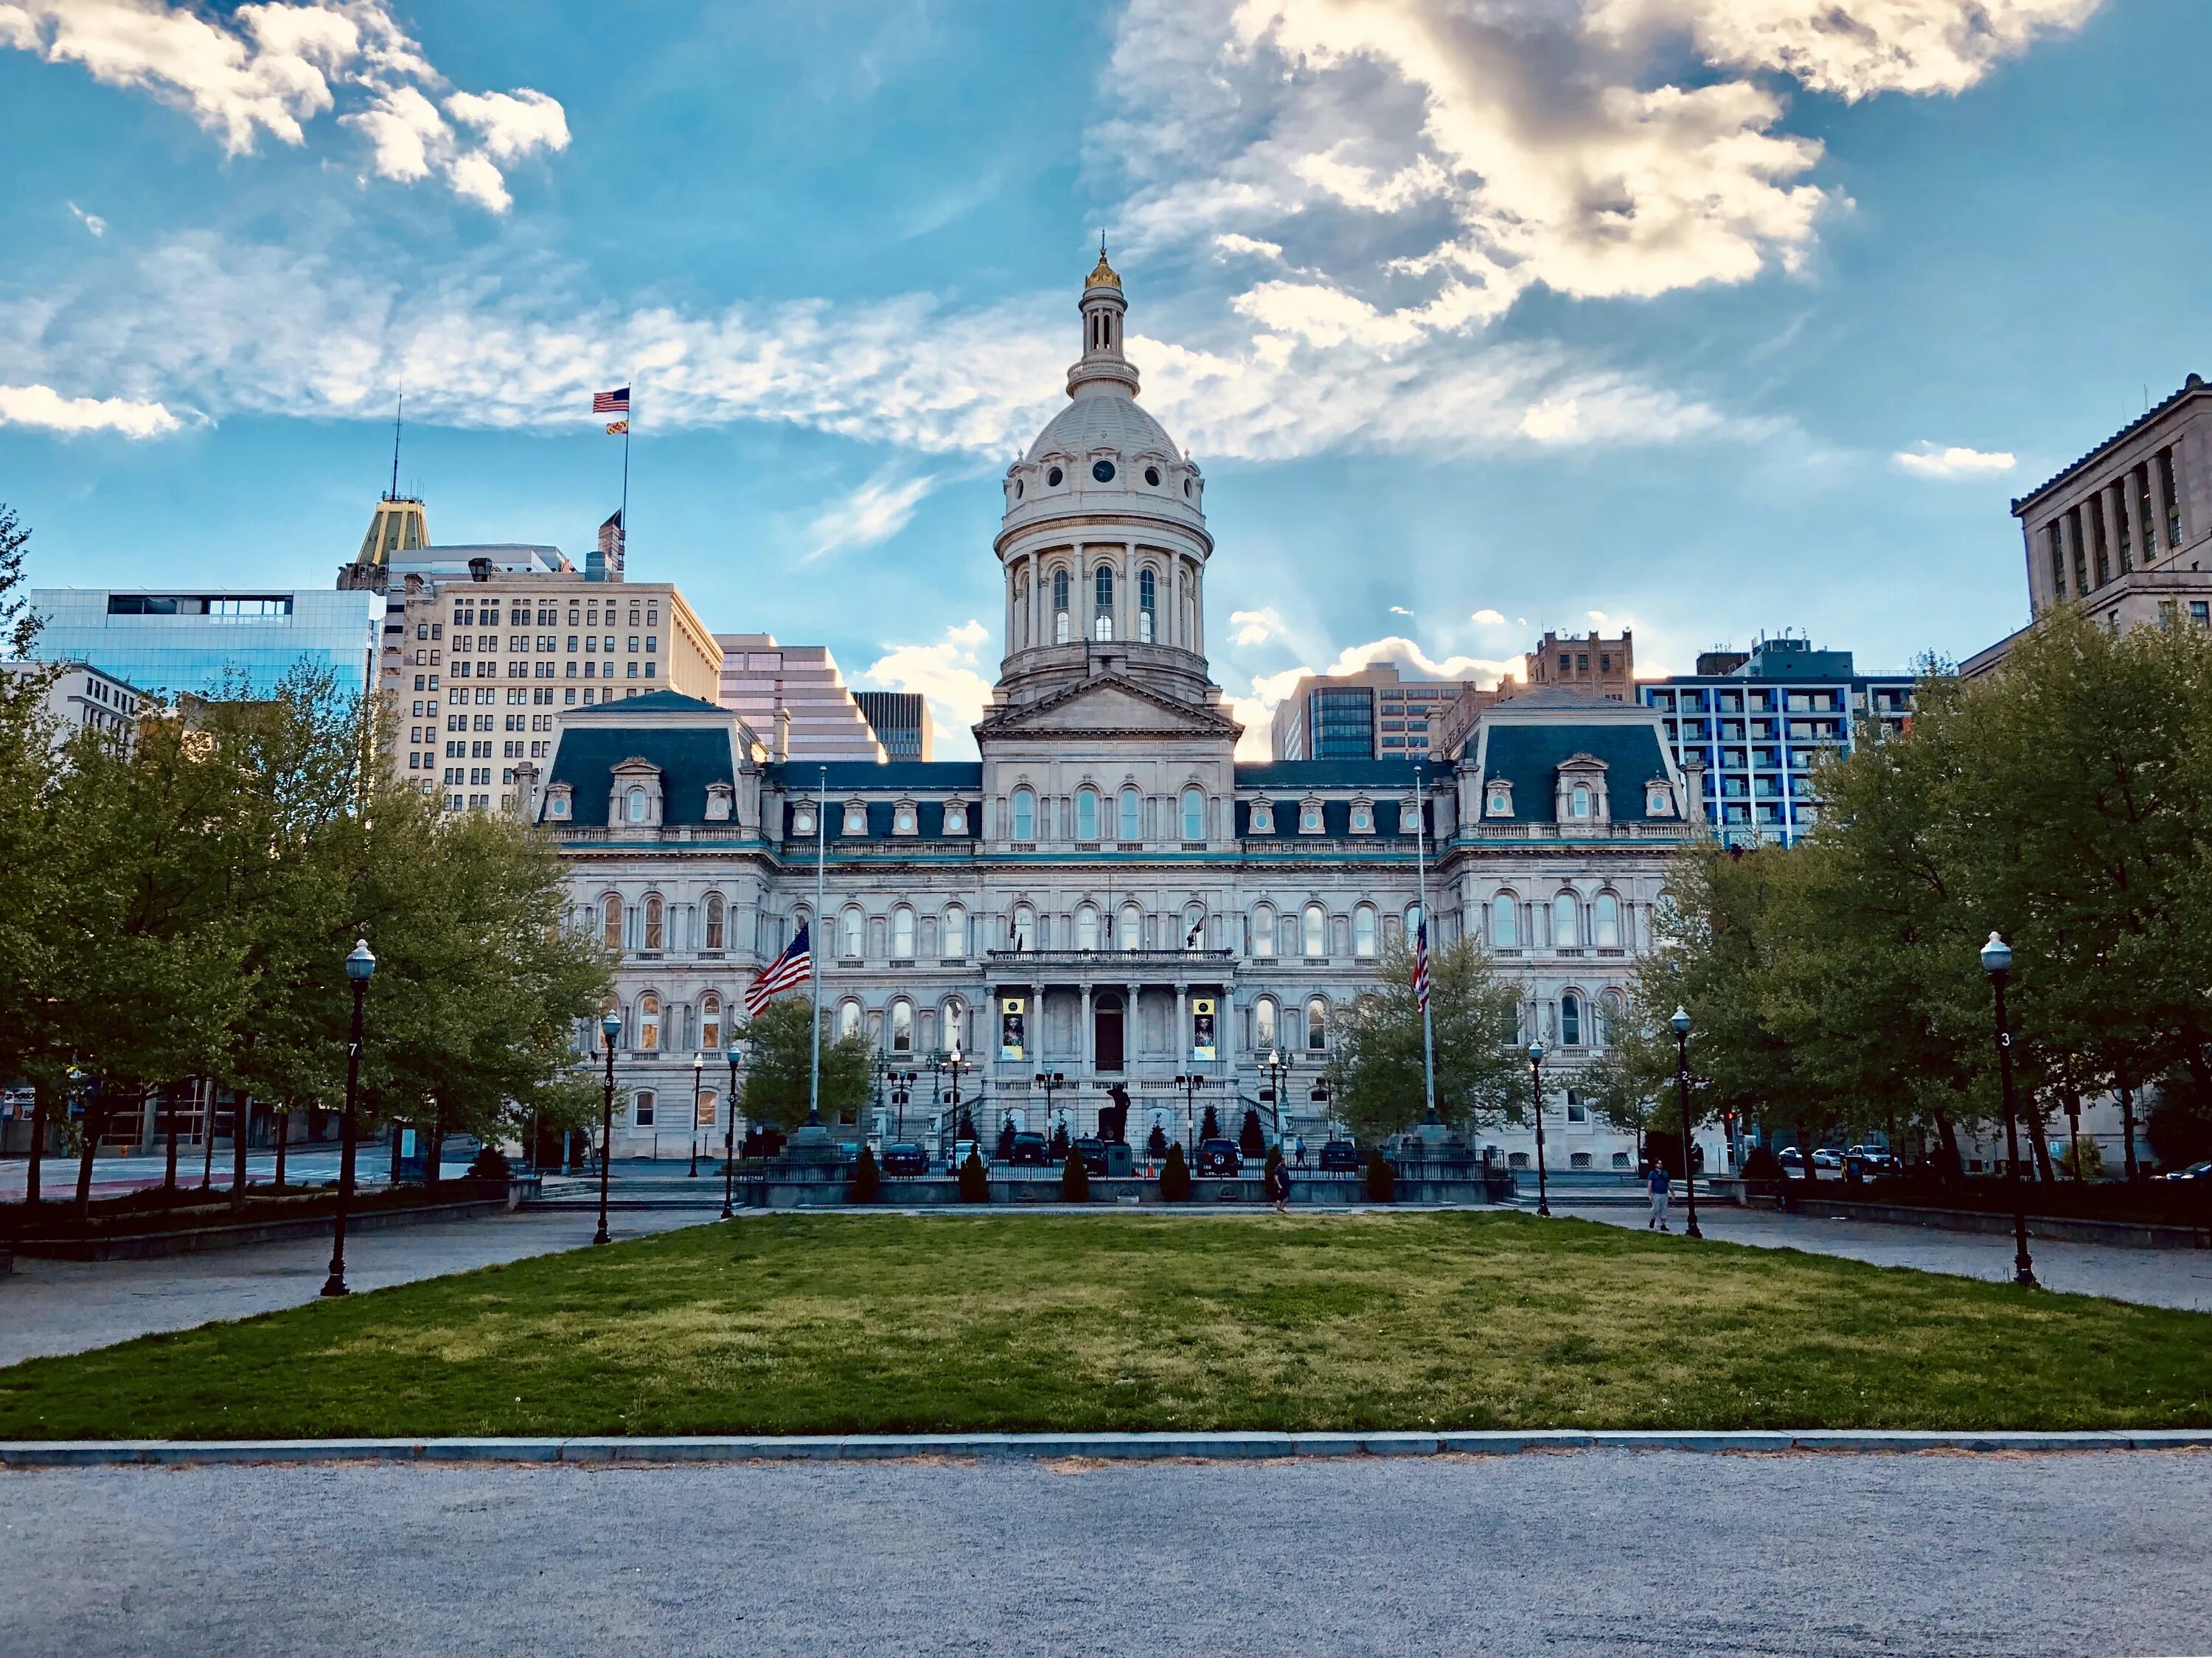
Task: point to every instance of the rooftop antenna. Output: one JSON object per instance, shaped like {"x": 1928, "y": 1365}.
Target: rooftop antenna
{"x": 397, "y": 412}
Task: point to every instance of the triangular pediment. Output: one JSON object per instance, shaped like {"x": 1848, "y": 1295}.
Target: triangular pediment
{"x": 1109, "y": 705}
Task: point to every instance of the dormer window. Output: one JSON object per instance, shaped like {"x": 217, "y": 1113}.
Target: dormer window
{"x": 802, "y": 819}
{"x": 1579, "y": 801}
{"x": 557, "y": 803}
{"x": 1263, "y": 818}
{"x": 1658, "y": 798}
{"x": 1498, "y": 798}
{"x": 856, "y": 818}
{"x": 1362, "y": 817}
{"x": 1309, "y": 819}
{"x": 721, "y": 801}
{"x": 1409, "y": 817}
{"x": 637, "y": 806}
{"x": 634, "y": 799}
{"x": 956, "y": 818}
{"x": 1580, "y": 797}
{"x": 905, "y": 819}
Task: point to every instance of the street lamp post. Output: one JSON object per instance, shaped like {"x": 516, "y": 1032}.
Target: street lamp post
{"x": 1536, "y": 1093}
{"x": 1271, "y": 1063}
{"x": 734, "y": 1052}
{"x": 1190, "y": 1082}
{"x": 359, "y": 965}
{"x": 698, "y": 1069}
{"x": 610, "y": 1025}
{"x": 1680, "y": 1023}
{"x": 1996, "y": 962}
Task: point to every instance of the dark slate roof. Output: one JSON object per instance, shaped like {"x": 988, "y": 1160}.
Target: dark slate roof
{"x": 1335, "y": 819}
{"x": 1529, "y": 756}
{"x": 627, "y": 708}
{"x": 690, "y": 759}
{"x": 864, "y": 776}
{"x": 928, "y": 815}
{"x": 1393, "y": 776}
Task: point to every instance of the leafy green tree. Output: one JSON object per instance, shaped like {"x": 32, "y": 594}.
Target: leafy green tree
{"x": 782, "y": 1036}
{"x": 1376, "y": 1072}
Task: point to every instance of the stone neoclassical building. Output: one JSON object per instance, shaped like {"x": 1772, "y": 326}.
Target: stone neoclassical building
{"x": 1107, "y": 897}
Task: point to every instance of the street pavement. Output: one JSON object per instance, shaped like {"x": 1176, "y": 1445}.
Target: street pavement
{"x": 2156, "y": 1277}
{"x": 1596, "y": 1552}
{"x": 67, "y": 1306}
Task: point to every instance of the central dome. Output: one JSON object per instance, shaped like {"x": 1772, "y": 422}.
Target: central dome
{"x": 1104, "y": 417}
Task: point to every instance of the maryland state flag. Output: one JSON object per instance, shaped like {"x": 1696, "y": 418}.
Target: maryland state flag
{"x": 616, "y": 428}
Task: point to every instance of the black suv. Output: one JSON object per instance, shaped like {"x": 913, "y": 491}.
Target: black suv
{"x": 1219, "y": 1157}
{"x": 905, "y": 1157}
{"x": 1031, "y": 1150}
{"x": 1092, "y": 1153}
{"x": 1340, "y": 1158}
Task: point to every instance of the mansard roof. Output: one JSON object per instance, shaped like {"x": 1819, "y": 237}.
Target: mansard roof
{"x": 1529, "y": 756}
{"x": 867, "y": 777}
{"x": 646, "y": 702}
{"x": 690, "y": 759}
{"x": 1393, "y": 777}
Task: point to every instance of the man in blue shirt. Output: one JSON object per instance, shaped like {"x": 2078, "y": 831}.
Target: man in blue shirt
{"x": 1659, "y": 1183}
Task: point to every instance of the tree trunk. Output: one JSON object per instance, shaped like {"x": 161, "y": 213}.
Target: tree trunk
{"x": 2037, "y": 1128}
{"x": 1950, "y": 1165}
{"x": 2128, "y": 1131}
{"x": 1805, "y": 1156}
{"x": 241, "y": 1124}
{"x": 435, "y": 1149}
{"x": 207, "y": 1141}
{"x": 41, "y": 1091}
{"x": 169, "y": 1094}
{"x": 95, "y": 1124}
{"x": 283, "y": 1139}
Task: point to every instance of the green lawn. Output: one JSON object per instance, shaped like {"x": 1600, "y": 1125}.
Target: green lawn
{"x": 816, "y": 1324}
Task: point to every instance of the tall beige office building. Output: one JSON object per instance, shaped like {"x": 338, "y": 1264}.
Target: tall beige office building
{"x": 1377, "y": 714}
{"x": 794, "y": 699}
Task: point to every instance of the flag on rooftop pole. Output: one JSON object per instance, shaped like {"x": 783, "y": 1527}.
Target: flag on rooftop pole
{"x": 787, "y": 972}
{"x": 616, "y": 402}
{"x": 1421, "y": 963}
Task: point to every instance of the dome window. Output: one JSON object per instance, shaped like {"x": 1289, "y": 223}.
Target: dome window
{"x": 1186, "y": 486}
{"x": 1017, "y": 490}
{"x": 1055, "y": 477}
{"x": 1102, "y": 470}
{"x": 1153, "y": 477}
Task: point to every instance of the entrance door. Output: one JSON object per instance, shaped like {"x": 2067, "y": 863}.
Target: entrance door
{"x": 1106, "y": 1032}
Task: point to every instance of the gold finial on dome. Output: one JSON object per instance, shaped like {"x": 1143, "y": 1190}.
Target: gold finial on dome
{"x": 1102, "y": 273}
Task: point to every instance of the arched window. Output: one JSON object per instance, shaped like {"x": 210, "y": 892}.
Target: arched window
{"x": 1025, "y": 929}
{"x": 1132, "y": 928}
{"x": 1608, "y": 1017}
{"x": 848, "y": 1020}
{"x": 1132, "y": 809}
{"x": 1061, "y": 633}
{"x": 1148, "y": 606}
{"x": 902, "y": 1027}
{"x": 1317, "y": 932}
{"x": 710, "y": 1024}
{"x": 1263, "y": 1025}
{"x": 1086, "y": 927}
{"x": 1581, "y": 799}
{"x": 1567, "y": 922}
{"x": 655, "y": 923}
{"x": 1609, "y": 921}
{"x": 951, "y": 1020}
{"x": 1317, "y": 1025}
{"x": 641, "y": 1109}
{"x": 611, "y": 908}
{"x": 956, "y": 932}
{"x": 1504, "y": 921}
{"x": 1102, "y": 589}
{"x": 633, "y": 806}
{"x": 649, "y": 1024}
{"x": 1363, "y": 930}
{"x": 1413, "y": 924}
{"x": 1570, "y": 1020}
{"x": 852, "y": 928}
{"x": 715, "y": 921}
{"x": 901, "y": 934}
{"x": 1024, "y": 814}
{"x": 1194, "y": 815}
{"x": 1086, "y": 814}
{"x": 1194, "y": 929}
{"x": 709, "y": 1105}
{"x": 1263, "y": 932}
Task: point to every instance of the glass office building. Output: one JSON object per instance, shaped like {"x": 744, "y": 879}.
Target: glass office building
{"x": 196, "y": 644}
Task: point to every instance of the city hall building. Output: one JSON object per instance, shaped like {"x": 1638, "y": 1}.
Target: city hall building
{"x": 1107, "y": 898}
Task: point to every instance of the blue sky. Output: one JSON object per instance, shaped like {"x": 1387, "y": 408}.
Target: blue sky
{"x": 1705, "y": 317}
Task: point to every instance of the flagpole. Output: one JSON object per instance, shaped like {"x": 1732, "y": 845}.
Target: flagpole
{"x": 814, "y": 955}
{"x": 1421, "y": 876}
{"x": 629, "y": 419}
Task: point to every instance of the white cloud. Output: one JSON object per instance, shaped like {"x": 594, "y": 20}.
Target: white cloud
{"x": 874, "y": 513}
{"x": 271, "y": 68}
{"x": 1231, "y": 242}
{"x": 1400, "y": 609}
{"x": 1929, "y": 462}
{"x": 1488, "y": 618}
{"x": 1597, "y": 617}
{"x": 947, "y": 674}
{"x": 1250, "y": 627}
{"x": 91, "y": 222}
{"x": 44, "y": 407}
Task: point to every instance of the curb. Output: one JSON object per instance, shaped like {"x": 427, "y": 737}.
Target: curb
{"x": 1233, "y": 1446}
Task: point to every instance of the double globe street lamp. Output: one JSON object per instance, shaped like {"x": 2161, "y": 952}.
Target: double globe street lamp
{"x": 1996, "y": 962}
{"x": 1536, "y": 1093}
{"x": 1680, "y": 1026}
{"x": 733, "y": 1053}
{"x": 611, "y": 1024}
{"x": 359, "y": 965}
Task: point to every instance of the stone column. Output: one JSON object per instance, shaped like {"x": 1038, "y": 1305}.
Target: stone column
{"x": 2069, "y": 541}
{"x": 1086, "y": 1038}
{"x": 2131, "y": 516}
{"x": 1180, "y": 1036}
{"x": 2108, "y": 519}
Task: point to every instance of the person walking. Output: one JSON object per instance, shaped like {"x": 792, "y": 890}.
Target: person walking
{"x": 1278, "y": 1185}
{"x": 1299, "y": 1144}
{"x": 1661, "y": 1184}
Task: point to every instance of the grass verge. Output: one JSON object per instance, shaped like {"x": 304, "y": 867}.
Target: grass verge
{"x": 827, "y": 1324}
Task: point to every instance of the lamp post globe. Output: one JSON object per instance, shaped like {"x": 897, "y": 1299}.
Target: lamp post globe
{"x": 1536, "y": 1098}
{"x": 1680, "y": 1023}
{"x": 1996, "y": 963}
{"x": 359, "y": 966}
{"x": 1680, "y": 1026}
{"x": 611, "y": 1024}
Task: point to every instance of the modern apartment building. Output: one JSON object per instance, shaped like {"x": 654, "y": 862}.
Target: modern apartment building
{"x": 794, "y": 699}
{"x": 900, "y": 720}
{"x": 1758, "y": 727}
{"x": 1377, "y": 714}
{"x": 2125, "y": 532}
{"x": 209, "y": 641}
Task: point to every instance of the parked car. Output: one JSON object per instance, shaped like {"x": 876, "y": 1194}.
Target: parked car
{"x": 1340, "y": 1158}
{"x": 1031, "y": 1151}
{"x": 1219, "y": 1157}
{"x": 2195, "y": 1171}
{"x": 1824, "y": 1158}
{"x": 1092, "y": 1153}
{"x": 905, "y": 1157}
{"x": 1872, "y": 1160}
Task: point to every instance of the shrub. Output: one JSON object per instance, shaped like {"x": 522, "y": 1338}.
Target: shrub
{"x": 2092, "y": 1162}
{"x": 1382, "y": 1178}
{"x": 1156, "y": 1145}
{"x": 1250, "y": 1139}
{"x": 975, "y": 1180}
{"x": 1211, "y": 1128}
{"x": 867, "y": 1178}
{"x": 1174, "y": 1177}
{"x": 1074, "y": 1180}
{"x": 491, "y": 1163}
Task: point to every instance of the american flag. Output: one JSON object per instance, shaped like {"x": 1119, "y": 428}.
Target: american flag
{"x": 1421, "y": 963}
{"x": 787, "y": 972}
{"x": 616, "y": 402}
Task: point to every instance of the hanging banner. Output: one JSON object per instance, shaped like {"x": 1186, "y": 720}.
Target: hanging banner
{"x": 1012, "y": 1027}
{"x": 1202, "y": 1043}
